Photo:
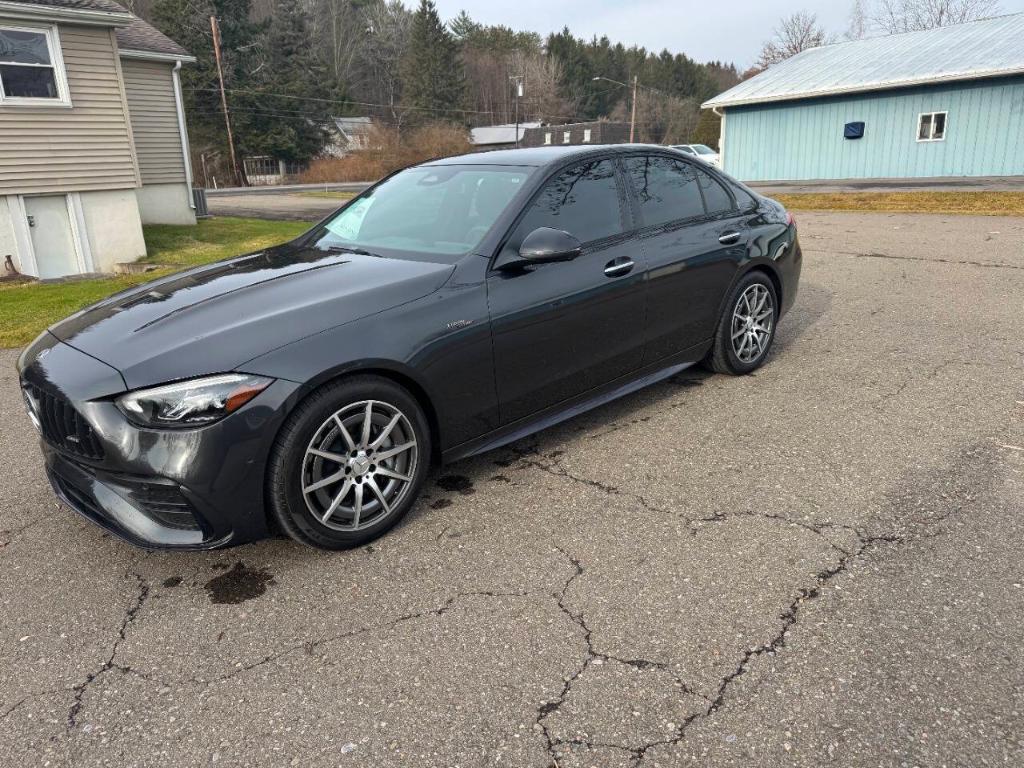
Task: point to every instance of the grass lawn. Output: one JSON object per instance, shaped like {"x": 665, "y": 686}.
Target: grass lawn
{"x": 977, "y": 203}
{"x": 27, "y": 308}
{"x": 328, "y": 195}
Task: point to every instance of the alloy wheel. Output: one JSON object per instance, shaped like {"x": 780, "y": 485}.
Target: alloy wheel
{"x": 359, "y": 466}
{"x": 752, "y": 321}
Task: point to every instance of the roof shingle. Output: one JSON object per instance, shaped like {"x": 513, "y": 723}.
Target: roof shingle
{"x": 108, "y": 6}
{"x": 140, "y": 36}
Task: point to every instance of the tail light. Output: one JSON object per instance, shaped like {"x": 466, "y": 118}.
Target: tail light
{"x": 790, "y": 221}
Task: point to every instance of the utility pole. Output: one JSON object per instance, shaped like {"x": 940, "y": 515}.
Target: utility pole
{"x": 632, "y": 120}
{"x": 224, "y": 99}
{"x": 518, "y": 80}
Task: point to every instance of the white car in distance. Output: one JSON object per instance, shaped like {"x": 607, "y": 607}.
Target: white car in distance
{"x": 701, "y": 152}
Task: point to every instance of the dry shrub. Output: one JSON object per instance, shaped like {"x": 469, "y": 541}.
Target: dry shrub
{"x": 390, "y": 150}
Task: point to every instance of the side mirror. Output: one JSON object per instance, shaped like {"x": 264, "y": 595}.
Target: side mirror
{"x": 546, "y": 244}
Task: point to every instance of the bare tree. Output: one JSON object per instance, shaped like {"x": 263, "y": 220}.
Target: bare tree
{"x": 794, "y": 34}
{"x": 896, "y": 16}
{"x": 858, "y": 27}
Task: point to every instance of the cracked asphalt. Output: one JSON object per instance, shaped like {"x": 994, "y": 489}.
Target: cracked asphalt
{"x": 816, "y": 565}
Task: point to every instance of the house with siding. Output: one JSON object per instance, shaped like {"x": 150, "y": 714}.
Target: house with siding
{"x": 942, "y": 103}
{"x": 93, "y": 140}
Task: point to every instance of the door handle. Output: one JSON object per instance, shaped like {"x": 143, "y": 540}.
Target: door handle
{"x": 619, "y": 266}
{"x": 729, "y": 238}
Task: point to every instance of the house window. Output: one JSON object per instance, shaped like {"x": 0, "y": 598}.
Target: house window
{"x": 566, "y": 137}
{"x": 31, "y": 69}
{"x": 586, "y": 135}
{"x": 547, "y": 137}
{"x": 931, "y": 126}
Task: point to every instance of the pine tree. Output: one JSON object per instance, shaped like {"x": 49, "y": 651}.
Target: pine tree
{"x": 432, "y": 78}
{"x": 294, "y": 89}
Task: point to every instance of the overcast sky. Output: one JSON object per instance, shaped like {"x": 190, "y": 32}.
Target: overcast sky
{"x": 730, "y": 30}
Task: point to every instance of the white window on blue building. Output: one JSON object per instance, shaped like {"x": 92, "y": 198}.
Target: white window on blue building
{"x": 931, "y": 126}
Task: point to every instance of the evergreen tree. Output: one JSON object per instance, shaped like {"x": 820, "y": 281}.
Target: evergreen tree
{"x": 295, "y": 91}
{"x": 432, "y": 79}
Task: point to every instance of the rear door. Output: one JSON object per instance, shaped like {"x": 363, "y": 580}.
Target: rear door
{"x": 564, "y": 328}
{"x": 693, "y": 240}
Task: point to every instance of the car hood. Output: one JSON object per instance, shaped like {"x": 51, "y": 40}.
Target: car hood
{"x": 215, "y": 318}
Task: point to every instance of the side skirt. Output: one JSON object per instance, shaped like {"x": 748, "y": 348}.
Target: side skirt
{"x": 568, "y": 409}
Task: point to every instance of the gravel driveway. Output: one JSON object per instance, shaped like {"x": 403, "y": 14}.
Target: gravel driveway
{"x": 820, "y": 564}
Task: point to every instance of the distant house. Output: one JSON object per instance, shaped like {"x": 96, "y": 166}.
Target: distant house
{"x": 593, "y": 132}
{"x": 489, "y": 137}
{"x": 941, "y": 103}
{"x": 93, "y": 141}
{"x": 349, "y": 134}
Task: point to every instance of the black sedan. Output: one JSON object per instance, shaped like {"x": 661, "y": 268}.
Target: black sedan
{"x": 452, "y": 308}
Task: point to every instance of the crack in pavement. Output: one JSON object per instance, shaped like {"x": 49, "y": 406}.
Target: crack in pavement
{"x": 309, "y": 646}
{"x": 558, "y": 469}
{"x": 129, "y": 617}
{"x": 930, "y": 260}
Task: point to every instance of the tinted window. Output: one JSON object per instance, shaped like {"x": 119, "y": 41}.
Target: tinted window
{"x": 583, "y": 201}
{"x": 666, "y": 189}
{"x": 715, "y": 196}
{"x": 444, "y": 211}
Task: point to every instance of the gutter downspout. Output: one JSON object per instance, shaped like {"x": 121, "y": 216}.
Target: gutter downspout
{"x": 721, "y": 138}
{"x": 183, "y": 132}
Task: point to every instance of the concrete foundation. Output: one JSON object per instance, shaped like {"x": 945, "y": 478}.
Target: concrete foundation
{"x": 165, "y": 204}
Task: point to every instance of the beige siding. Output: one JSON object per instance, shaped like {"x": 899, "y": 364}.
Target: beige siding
{"x": 85, "y": 147}
{"x": 149, "y": 86}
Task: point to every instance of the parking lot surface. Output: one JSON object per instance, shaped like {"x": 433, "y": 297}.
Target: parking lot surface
{"x": 819, "y": 564}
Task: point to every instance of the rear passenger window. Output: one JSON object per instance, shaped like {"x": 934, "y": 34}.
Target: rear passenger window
{"x": 715, "y": 196}
{"x": 666, "y": 189}
{"x": 583, "y": 201}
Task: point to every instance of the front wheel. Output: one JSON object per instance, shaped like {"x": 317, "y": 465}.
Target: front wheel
{"x": 349, "y": 463}
{"x": 747, "y": 327}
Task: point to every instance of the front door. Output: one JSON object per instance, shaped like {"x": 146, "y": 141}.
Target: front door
{"x": 49, "y": 226}
{"x": 564, "y": 328}
{"x": 694, "y": 243}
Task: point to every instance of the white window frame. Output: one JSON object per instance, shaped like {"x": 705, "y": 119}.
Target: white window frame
{"x": 566, "y": 137}
{"x": 586, "y": 135}
{"x": 547, "y": 137}
{"x": 56, "y": 62}
{"x": 931, "y": 138}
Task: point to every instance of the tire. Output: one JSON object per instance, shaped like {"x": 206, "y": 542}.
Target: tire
{"x": 753, "y": 339}
{"x": 314, "y": 462}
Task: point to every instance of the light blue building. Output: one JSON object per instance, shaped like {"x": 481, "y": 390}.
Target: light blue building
{"x": 942, "y": 103}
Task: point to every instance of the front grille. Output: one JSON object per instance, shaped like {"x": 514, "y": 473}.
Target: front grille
{"x": 63, "y": 426}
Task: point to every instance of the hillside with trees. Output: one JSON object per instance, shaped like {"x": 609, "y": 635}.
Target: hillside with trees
{"x": 290, "y": 65}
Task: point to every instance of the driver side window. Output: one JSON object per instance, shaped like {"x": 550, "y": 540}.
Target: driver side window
{"x": 582, "y": 200}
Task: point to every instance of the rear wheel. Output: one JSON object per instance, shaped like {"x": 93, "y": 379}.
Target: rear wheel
{"x": 747, "y": 327}
{"x": 349, "y": 463}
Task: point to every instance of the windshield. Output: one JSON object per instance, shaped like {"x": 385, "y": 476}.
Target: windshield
{"x": 702, "y": 149}
{"x": 434, "y": 211}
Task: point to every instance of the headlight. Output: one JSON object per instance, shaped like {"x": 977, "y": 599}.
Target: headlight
{"x": 191, "y": 403}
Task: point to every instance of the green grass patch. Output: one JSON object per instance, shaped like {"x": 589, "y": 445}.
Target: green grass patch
{"x": 976, "y": 203}
{"x": 26, "y": 309}
{"x": 327, "y": 195}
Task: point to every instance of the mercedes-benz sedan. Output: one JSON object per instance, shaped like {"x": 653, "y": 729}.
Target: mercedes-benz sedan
{"x": 453, "y": 307}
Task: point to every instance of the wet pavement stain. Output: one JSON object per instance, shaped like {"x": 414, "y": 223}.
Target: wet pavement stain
{"x": 238, "y": 585}
{"x": 459, "y": 483}
{"x": 173, "y": 581}
{"x": 441, "y": 504}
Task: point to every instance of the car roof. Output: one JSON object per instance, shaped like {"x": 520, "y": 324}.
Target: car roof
{"x": 540, "y": 156}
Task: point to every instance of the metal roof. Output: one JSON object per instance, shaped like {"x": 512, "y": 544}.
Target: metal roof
{"x": 977, "y": 49}
{"x": 498, "y": 134}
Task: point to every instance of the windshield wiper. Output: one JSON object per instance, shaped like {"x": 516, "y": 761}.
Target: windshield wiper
{"x": 349, "y": 249}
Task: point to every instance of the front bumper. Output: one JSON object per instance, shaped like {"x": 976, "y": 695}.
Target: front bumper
{"x": 172, "y": 489}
